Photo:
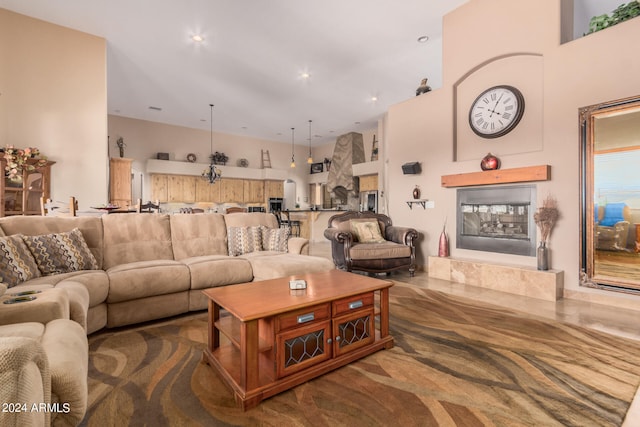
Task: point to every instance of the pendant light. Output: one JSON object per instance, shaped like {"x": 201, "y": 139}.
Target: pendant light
{"x": 212, "y": 173}
{"x": 310, "y": 158}
{"x": 293, "y": 160}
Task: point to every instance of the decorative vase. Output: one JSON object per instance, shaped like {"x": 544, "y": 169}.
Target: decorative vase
{"x": 489, "y": 162}
{"x": 543, "y": 256}
{"x": 443, "y": 243}
{"x": 416, "y": 193}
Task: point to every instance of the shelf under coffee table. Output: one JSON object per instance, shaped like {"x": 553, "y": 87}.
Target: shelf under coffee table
{"x": 265, "y": 338}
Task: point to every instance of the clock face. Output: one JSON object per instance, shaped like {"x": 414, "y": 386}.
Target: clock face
{"x": 496, "y": 111}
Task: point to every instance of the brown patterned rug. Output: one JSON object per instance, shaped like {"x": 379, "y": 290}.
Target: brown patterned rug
{"x": 456, "y": 362}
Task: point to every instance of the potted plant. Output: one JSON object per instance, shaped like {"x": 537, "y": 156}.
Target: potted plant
{"x": 620, "y": 14}
{"x": 219, "y": 158}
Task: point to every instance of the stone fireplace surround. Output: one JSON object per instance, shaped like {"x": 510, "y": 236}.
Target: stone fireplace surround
{"x": 520, "y": 280}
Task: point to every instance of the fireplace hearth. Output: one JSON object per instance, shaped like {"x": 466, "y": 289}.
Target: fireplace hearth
{"x": 497, "y": 219}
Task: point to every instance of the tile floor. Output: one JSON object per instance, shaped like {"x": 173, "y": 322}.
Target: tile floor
{"x": 616, "y": 321}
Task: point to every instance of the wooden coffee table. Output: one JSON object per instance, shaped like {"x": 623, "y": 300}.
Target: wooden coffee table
{"x": 276, "y": 338}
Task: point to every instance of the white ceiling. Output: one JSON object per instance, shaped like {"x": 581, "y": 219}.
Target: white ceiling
{"x": 252, "y": 58}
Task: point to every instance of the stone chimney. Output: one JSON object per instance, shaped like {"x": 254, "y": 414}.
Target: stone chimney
{"x": 349, "y": 150}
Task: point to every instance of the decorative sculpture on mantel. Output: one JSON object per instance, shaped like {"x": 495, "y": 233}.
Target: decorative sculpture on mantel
{"x": 423, "y": 88}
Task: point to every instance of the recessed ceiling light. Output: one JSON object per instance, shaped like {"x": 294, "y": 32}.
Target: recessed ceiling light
{"x": 374, "y": 98}
{"x": 423, "y": 39}
{"x": 305, "y": 75}
{"x": 197, "y": 38}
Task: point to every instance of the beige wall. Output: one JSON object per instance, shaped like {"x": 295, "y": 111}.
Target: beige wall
{"x": 53, "y": 96}
{"x": 582, "y": 72}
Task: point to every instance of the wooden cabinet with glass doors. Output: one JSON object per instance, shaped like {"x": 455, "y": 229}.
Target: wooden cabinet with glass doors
{"x": 22, "y": 196}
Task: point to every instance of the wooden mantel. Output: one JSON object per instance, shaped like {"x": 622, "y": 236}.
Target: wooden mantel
{"x": 498, "y": 176}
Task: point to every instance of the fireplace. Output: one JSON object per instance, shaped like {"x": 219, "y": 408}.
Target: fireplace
{"x": 497, "y": 219}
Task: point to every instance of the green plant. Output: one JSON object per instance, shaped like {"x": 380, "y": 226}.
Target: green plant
{"x": 620, "y": 14}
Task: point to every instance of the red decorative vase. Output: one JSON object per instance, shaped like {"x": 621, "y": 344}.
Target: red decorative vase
{"x": 416, "y": 193}
{"x": 490, "y": 162}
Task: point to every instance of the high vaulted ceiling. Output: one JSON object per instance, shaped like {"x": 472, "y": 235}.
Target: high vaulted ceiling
{"x": 253, "y": 56}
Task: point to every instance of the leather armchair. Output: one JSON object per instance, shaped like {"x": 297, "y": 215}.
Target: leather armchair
{"x": 397, "y": 251}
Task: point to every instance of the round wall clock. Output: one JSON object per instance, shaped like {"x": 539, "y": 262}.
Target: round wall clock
{"x": 496, "y": 111}
{"x": 191, "y": 158}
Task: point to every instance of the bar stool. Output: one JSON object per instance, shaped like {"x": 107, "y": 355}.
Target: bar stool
{"x": 293, "y": 224}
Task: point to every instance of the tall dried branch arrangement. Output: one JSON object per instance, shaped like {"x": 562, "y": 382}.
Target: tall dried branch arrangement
{"x": 546, "y": 217}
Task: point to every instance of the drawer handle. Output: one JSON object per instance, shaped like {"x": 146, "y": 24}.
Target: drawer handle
{"x": 355, "y": 304}
{"x": 304, "y": 318}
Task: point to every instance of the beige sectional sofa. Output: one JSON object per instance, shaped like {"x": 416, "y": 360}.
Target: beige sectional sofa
{"x": 147, "y": 266}
{"x": 152, "y": 266}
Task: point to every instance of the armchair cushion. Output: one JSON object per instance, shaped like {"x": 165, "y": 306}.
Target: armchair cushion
{"x": 613, "y": 213}
{"x": 380, "y": 250}
{"x": 367, "y": 231}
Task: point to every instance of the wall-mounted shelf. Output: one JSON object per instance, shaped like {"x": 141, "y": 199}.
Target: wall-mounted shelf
{"x": 421, "y": 202}
{"x": 499, "y": 176}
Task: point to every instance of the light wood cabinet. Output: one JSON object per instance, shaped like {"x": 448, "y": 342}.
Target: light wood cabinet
{"x": 232, "y": 190}
{"x": 273, "y": 189}
{"x": 159, "y": 190}
{"x": 207, "y": 192}
{"x": 369, "y": 182}
{"x": 253, "y": 191}
{"x": 120, "y": 182}
{"x": 23, "y": 197}
{"x": 181, "y": 188}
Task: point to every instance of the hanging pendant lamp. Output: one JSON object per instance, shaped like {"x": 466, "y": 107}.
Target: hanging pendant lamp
{"x": 293, "y": 160}
{"x": 212, "y": 173}
{"x": 310, "y": 158}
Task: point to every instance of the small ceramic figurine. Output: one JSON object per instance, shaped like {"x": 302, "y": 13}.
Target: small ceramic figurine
{"x": 423, "y": 88}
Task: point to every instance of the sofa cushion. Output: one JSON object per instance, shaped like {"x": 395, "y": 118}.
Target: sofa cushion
{"x": 146, "y": 278}
{"x": 17, "y": 264}
{"x": 280, "y": 265}
{"x": 91, "y": 228}
{"x": 136, "y": 237}
{"x": 251, "y": 219}
{"x": 217, "y": 270}
{"x": 61, "y": 252}
{"x": 367, "y": 231}
{"x": 379, "y": 250}
{"x": 242, "y": 240}
{"x": 198, "y": 235}
{"x": 275, "y": 239}
{"x": 96, "y": 282}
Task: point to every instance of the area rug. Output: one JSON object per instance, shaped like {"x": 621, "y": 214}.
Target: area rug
{"x": 456, "y": 362}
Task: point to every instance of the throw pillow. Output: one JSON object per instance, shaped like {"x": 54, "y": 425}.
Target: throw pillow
{"x": 367, "y": 231}
{"x": 61, "y": 252}
{"x": 275, "y": 239}
{"x": 243, "y": 240}
{"x": 16, "y": 262}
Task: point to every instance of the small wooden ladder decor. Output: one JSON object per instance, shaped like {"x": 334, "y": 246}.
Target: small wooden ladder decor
{"x": 266, "y": 159}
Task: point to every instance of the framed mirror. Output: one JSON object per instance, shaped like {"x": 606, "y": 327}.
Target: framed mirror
{"x": 610, "y": 195}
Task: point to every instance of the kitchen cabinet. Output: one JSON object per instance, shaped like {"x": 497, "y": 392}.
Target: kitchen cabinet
{"x": 253, "y": 191}
{"x": 207, "y": 192}
{"x": 120, "y": 182}
{"x": 273, "y": 189}
{"x": 23, "y": 197}
{"x": 369, "y": 182}
{"x": 232, "y": 190}
{"x": 159, "y": 189}
{"x": 181, "y": 188}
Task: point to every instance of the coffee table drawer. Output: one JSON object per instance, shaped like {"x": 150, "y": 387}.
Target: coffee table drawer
{"x": 353, "y": 303}
{"x": 304, "y": 316}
